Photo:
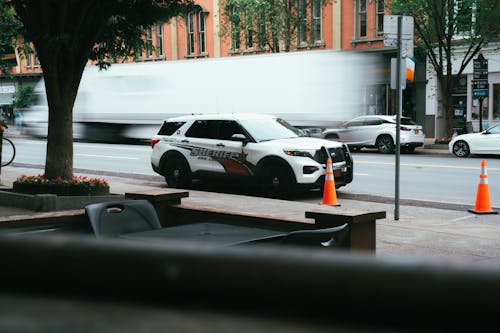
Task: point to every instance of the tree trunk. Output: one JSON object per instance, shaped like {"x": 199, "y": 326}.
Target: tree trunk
{"x": 448, "y": 109}
{"x": 59, "y": 158}
{"x": 62, "y": 72}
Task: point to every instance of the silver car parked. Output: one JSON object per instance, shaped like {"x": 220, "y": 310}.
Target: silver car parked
{"x": 377, "y": 132}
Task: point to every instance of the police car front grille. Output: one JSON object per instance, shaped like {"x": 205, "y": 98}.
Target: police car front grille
{"x": 339, "y": 154}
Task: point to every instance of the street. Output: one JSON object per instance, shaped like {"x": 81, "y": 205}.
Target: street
{"x": 442, "y": 178}
{"x": 426, "y": 177}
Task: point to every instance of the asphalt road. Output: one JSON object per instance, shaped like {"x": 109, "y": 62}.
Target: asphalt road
{"x": 429, "y": 175}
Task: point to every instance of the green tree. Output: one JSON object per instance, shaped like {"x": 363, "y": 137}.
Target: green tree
{"x": 442, "y": 27}
{"x": 9, "y": 30}
{"x": 66, "y": 34}
{"x": 22, "y": 97}
{"x": 268, "y": 23}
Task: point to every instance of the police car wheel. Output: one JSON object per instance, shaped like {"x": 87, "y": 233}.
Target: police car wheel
{"x": 276, "y": 182}
{"x": 177, "y": 173}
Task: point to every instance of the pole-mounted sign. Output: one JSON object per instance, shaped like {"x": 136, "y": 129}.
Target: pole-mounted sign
{"x": 480, "y": 81}
{"x": 480, "y": 85}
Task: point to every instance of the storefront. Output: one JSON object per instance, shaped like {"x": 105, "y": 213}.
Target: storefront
{"x": 466, "y": 107}
{"x": 491, "y": 104}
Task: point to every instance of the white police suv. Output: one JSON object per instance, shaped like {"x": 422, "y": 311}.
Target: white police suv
{"x": 263, "y": 149}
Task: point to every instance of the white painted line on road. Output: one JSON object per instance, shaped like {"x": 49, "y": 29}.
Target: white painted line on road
{"x": 361, "y": 174}
{"x": 82, "y": 145}
{"x": 427, "y": 165}
{"x": 115, "y": 157}
{"x": 462, "y": 218}
{"x": 114, "y": 147}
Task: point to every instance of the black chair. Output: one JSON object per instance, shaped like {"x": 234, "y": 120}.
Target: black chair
{"x": 328, "y": 237}
{"x": 112, "y": 219}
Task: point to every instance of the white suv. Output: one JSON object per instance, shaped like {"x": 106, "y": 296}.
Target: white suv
{"x": 261, "y": 148}
{"x": 378, "y": 132}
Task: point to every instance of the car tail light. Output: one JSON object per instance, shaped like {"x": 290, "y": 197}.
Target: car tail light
{"x": 404, "y": 128}
{"x": 154, "y": 142}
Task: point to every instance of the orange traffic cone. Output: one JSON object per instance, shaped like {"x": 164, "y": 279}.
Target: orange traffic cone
{"x": 329, "y": 192}
{"x": 483, "y": 204}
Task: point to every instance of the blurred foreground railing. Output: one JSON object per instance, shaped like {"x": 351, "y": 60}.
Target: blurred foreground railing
{"x": 80, "y": 283}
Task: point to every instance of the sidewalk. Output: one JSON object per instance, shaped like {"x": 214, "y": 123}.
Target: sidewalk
{"x": 421, "y": 232}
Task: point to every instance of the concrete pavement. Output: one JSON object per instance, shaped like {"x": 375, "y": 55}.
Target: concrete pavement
{"x": 424, "y": 230}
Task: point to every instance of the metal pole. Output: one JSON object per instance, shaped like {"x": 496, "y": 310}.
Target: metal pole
{"x": 399, "y": 100}
{"x": 480, "y": 114}
{"x": 2, "y": 124}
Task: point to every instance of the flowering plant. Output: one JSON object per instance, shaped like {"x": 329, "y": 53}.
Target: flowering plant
{"x": 75, "y": 181}
{"x": 443, "y": 140}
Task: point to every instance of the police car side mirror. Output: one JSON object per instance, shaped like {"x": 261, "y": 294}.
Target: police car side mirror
{"x": 239, "y": 137}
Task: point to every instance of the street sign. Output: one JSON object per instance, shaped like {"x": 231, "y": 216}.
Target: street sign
{"x": 402, "y": 74}
{"x": 391, "y": 33}
{"x": 391, "y": 27}
{"x": 480, "y": 68}
{"x": 480, "y": 86}
{"x": 478, "y": 93}
{"x": 481, "y": 74}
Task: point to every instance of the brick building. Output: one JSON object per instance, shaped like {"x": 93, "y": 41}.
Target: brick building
{"x": 210, "y": 32}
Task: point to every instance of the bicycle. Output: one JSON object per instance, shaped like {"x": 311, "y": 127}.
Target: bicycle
{"x": 7, "y": 152}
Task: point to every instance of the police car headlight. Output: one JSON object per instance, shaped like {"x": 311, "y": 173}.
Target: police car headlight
{"x": 301, "y": 153}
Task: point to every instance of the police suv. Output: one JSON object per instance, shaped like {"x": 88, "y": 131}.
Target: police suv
{"x": 263, "y": 149}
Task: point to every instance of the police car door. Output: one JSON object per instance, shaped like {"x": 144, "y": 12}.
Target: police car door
{"x": 209, "y": 150}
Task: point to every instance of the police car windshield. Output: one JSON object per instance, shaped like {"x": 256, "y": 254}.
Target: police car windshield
{"x": 265, "y": 130}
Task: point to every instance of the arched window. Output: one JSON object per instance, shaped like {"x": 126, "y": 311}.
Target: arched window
{"x": 196, "y": 43}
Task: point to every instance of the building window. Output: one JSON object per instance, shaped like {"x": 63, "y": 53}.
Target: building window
{"x": 362, "y": 18}
{"x": 201, "y": 32}
{"x": 190, "y": 33}
{"x": 316, "y": 21}
{"x": 149, "y": 42}
{"x": 257, "y": 28}
{"x": 29, "y": 59}
{"x": 235, "y": 28}
{"x": 380, "y": 17}
{"x": 496, "y": 102}
{"x": 196, "y": 33}
{"x": 249, "y": 31}
{"x": 159, "y": 40}
{"x": 302, "y": 22}
{"x": 32, "y": 57}
{"x": 35, "y": 56}
{"x": 262, "y": 31}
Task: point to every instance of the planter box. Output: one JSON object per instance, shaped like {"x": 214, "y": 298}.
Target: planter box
{"x": 48, "y": 202}
{"x": 66, "y": 190}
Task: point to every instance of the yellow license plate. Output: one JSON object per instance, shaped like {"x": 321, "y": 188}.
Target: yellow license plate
{"x": 415, "y": 131}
